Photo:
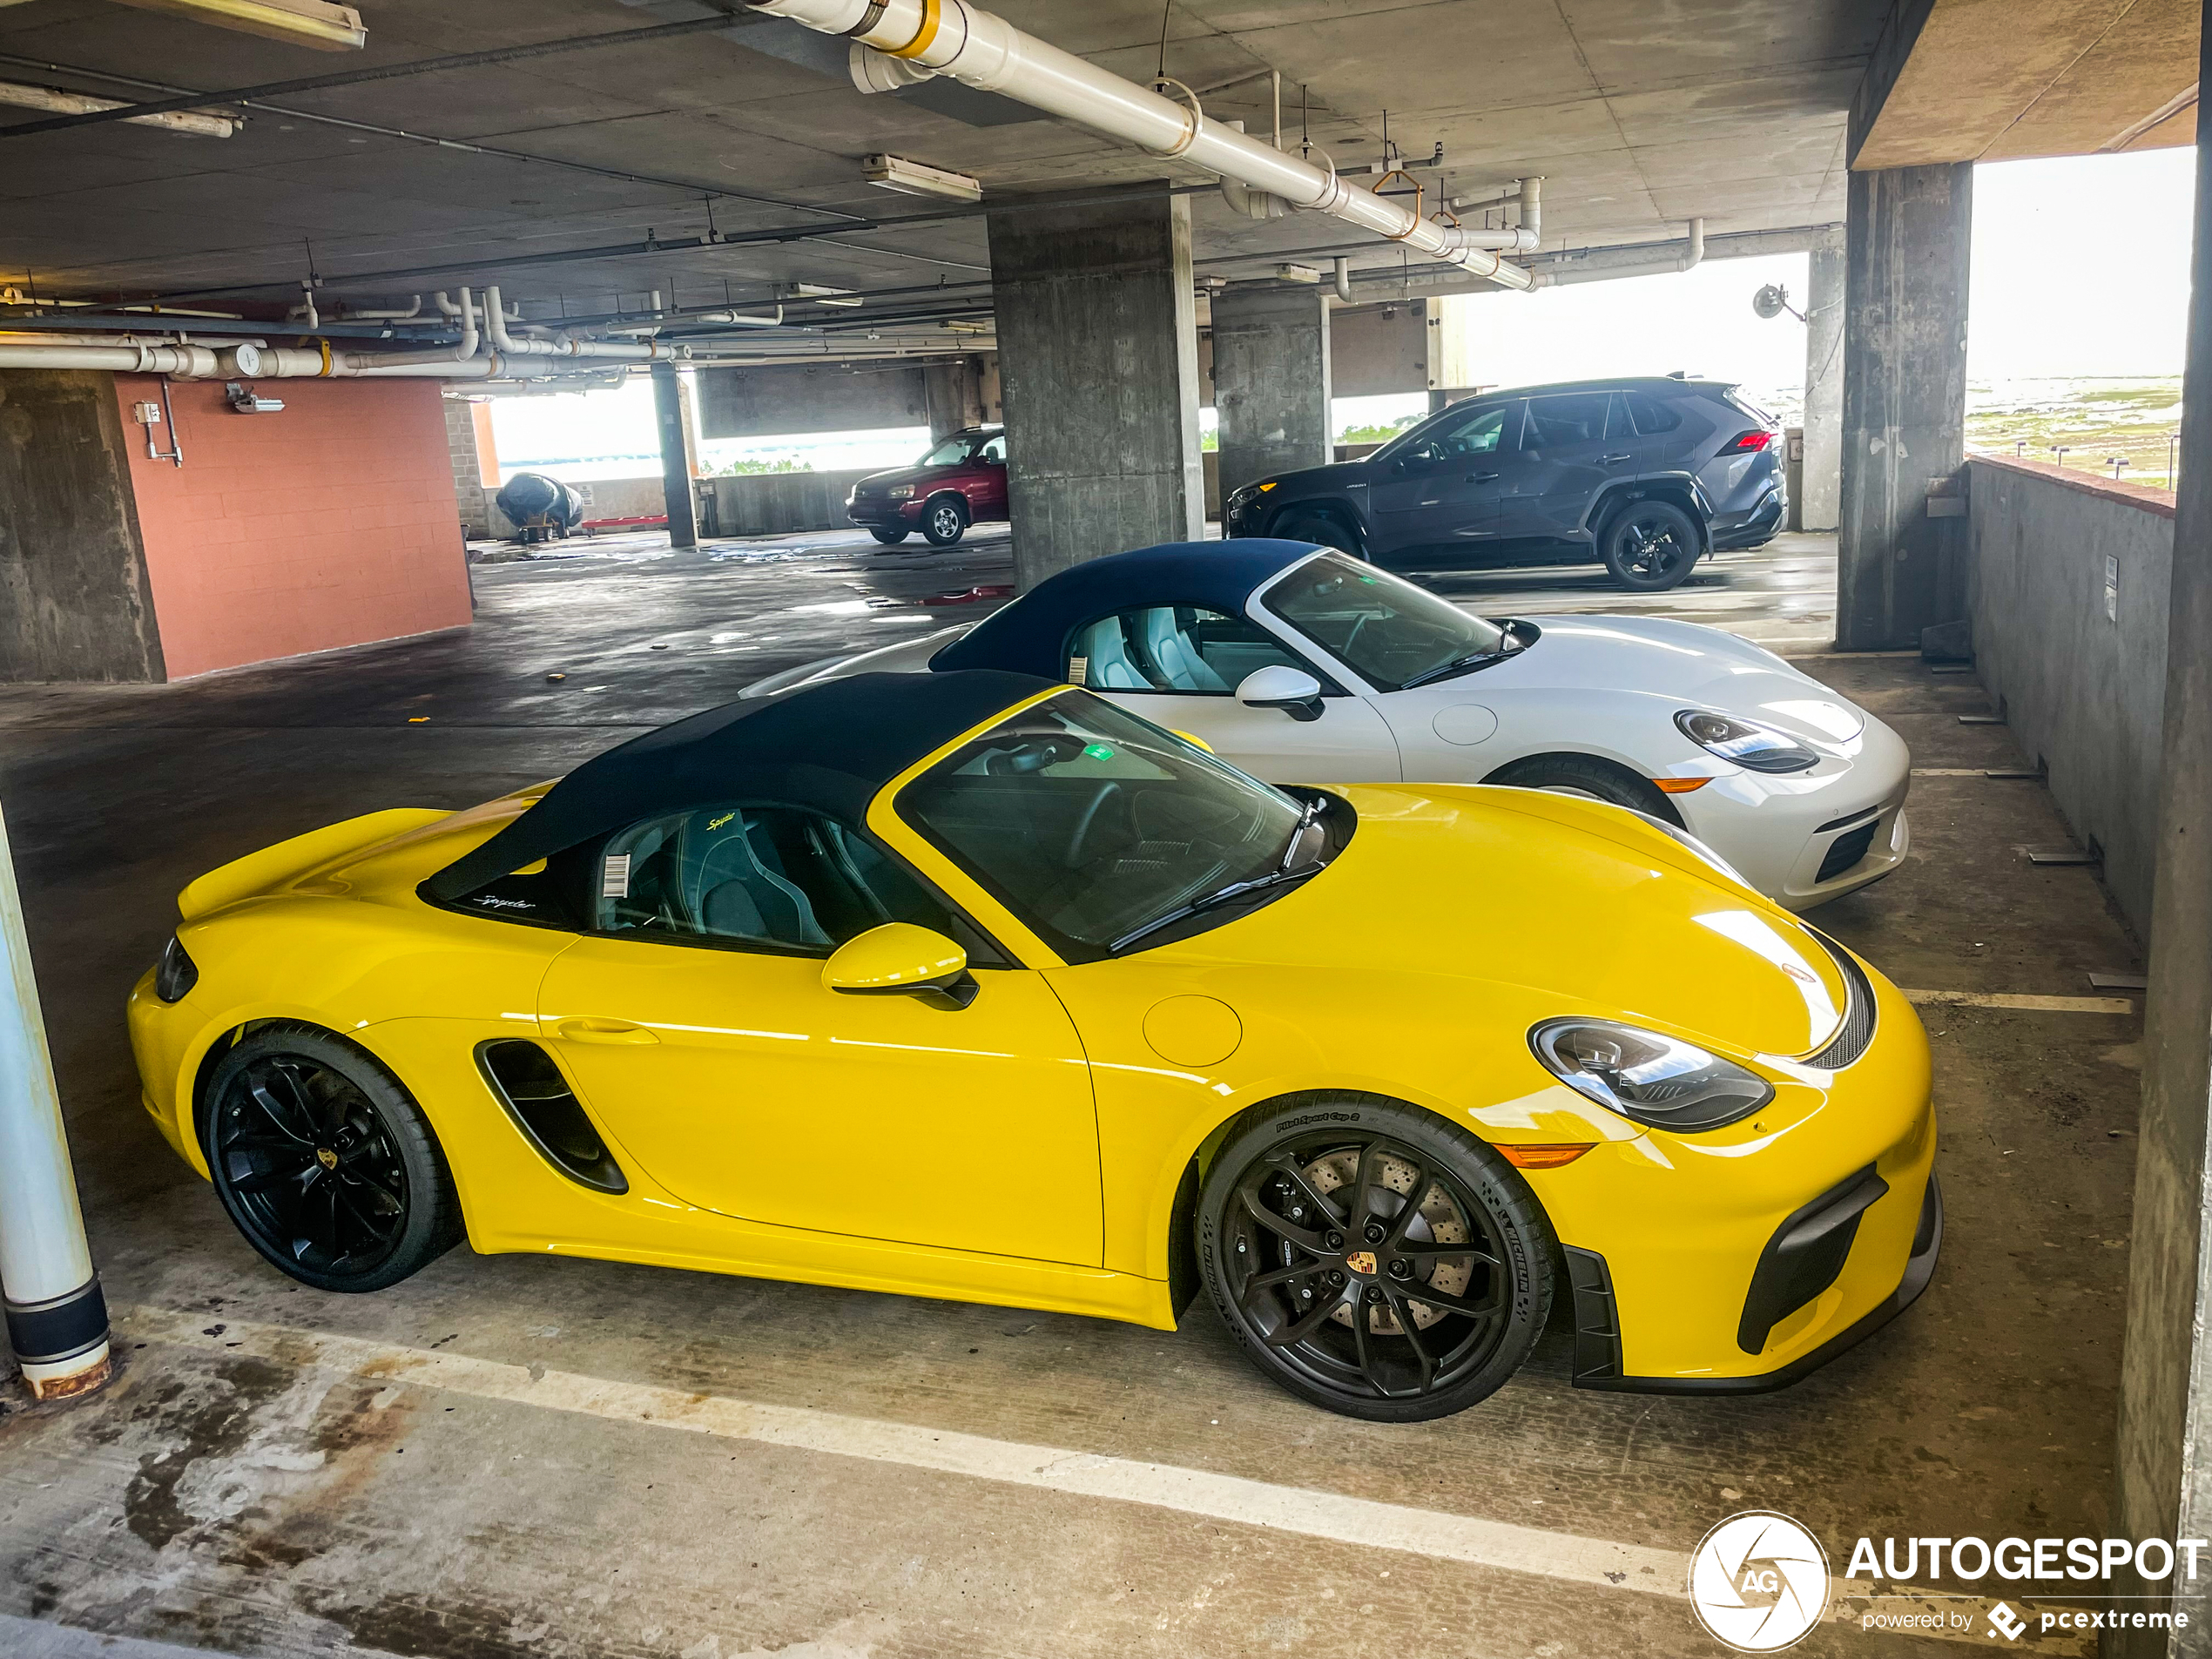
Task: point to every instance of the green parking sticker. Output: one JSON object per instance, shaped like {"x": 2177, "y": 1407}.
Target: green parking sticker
{"x": 1098, "y": 750}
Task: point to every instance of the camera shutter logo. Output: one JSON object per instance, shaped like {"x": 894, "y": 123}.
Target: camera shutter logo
{"x": 1759, "y": 1583}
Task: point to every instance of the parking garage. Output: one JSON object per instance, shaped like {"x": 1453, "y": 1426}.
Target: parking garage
{"x": 229, "y": 624}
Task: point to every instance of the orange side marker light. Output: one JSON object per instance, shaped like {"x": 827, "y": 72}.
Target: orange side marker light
{"x": 1680, "y": 785}
{"x": 1545, "y": 1157}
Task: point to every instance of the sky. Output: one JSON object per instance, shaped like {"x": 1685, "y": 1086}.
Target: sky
{"x": 2080, "y": 268}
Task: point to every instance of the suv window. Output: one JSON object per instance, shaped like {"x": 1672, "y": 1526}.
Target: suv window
{"x": 1651, "y": 416}
{"x": 766, "y": 877}
{"x": 1575, "y": 417}
{"x": 994, "y": 451}
{"x": 1485, "y": 429}
{"x": 1172, "y": 648}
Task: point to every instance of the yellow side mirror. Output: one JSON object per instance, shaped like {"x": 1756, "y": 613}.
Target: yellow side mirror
{"x": 901, "y": 959}
{"x": 1193, "y": 740}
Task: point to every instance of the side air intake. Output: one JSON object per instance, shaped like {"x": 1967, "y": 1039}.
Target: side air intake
{"x": 524, "y": 1080}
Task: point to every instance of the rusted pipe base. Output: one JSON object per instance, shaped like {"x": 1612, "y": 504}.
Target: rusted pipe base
{"x": 49, "y": 1383}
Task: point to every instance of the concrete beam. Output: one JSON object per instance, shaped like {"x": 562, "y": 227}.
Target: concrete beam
{"x": 1900, "y": 562}
{"x": 1271, "y": 380}
{"x": 2163, "y": 1455}
{"x": 1098, "y": 363}
{"x": 1997, "y": 80}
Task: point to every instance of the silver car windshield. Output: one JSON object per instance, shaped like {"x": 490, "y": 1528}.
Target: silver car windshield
{"x": 1390, "y": 632}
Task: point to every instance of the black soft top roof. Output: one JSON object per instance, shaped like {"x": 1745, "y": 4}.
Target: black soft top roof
{"x": 830, "y": 746}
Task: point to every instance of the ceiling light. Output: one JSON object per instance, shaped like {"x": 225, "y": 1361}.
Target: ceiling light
{"x": 822, "y": 296}
{"x": 1297, "y": 273}
{"x": 304, "y": 22}
{"x": 915, "y": 178}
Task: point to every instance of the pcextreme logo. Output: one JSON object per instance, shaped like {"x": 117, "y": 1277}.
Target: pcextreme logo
{"x": 1759, "y": 1582}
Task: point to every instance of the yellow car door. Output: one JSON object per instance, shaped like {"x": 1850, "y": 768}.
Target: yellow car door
{"x": 695, "y": 1023}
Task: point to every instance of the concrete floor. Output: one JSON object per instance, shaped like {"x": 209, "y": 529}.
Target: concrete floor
{"x": 509, "y": 1456}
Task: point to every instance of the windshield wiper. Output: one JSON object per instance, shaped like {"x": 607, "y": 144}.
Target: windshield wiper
{"x": 1467, "y": 663}
{"x": 1235, "y": 890}
{"x": 1305, "y": 822}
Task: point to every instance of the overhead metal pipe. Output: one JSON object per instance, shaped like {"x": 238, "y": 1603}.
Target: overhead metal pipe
{"x": 898, "y": 43}
{"x": 646, "y": 351}
{"x": 57, "y": 1317}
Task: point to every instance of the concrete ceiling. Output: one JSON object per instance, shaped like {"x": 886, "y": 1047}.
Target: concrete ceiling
{"x": 1999, "y": 80}
{"x": 1638, "y": 113}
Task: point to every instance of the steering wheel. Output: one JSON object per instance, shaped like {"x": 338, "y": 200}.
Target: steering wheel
{"x": 1352, "y": 638}
{"x": 1073, "y": 858}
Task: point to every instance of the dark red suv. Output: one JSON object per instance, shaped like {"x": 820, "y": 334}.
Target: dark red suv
{"x": 961, "y": 480}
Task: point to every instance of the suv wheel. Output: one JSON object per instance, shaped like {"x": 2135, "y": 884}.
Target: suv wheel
{"x": 1649, "y": 546}
{"x": 944, "y": 521}
{"x": 1322, "y": 529}
{"x": 890, "y": 536}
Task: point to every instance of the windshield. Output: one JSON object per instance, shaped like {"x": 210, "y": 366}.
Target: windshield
{"x": 1390, "y": 632}
{"x": 951, "y": 452}
{"x": 1089, "y": 824}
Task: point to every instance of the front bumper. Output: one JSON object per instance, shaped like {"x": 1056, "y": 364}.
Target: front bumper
{"x": 1803, "y": 839}
{"x": 1741, "y": 1260}
{"x": 875, "y": 513}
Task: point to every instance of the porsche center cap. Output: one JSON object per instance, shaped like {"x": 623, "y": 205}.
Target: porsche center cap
{"x": 1361, "y": 1262}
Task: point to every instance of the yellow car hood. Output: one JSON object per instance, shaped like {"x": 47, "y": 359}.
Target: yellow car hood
{"x": 1585, "y": 904}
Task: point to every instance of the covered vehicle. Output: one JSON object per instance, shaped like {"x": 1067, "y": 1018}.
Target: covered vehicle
{"x": 974, "y": 986}
{"x": 962, "y": 479}
{"x": 1306, "y": 665}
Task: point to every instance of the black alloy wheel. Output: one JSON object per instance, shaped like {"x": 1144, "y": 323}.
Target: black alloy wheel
{"x": 1323, "y": 530}
{"x": 890, "y": 536}
{"x": 325, "y": 1163}
{"x": 1372, "y": 1257}
{"x": 1649, "y": 546}
{"x": 944, "y": 521}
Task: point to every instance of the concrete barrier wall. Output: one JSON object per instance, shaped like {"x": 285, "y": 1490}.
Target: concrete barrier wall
{"x": 2083, "y": 691}
{"x": 772, "y": 503}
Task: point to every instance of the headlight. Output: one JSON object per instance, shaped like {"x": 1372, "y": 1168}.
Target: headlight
{"x": 1648, "y": 1078}
{"x": 901, "y": 492}
{"x": 1758, "y": 748}
{"x": 177, "y": 973}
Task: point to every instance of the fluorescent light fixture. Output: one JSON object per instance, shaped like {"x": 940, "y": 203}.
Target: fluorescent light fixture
{"x": 822, "y": 296}
{"x": 60, "y": 103}
{"x": 962, "y": 326}
{"x": 304, "y": 22}
{"x": 1297, "y": 273}
{"x": 916, "y": 179}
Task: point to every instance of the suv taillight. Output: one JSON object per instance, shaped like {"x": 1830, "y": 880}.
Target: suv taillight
{"x": 1746, "y": 444}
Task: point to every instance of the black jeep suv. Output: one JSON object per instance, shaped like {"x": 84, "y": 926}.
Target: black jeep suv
{"x": 1646, "y": 475}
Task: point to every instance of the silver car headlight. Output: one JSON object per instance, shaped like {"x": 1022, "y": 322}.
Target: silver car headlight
{"x": 1756, "y": 748}
{"x": 1660, "y": 1082}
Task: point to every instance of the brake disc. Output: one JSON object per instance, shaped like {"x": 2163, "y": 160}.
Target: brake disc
{"x": 1439, "y": 1222}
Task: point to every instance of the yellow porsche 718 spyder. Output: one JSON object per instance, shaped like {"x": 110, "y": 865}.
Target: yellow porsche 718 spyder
{"x": 974, "y": 986}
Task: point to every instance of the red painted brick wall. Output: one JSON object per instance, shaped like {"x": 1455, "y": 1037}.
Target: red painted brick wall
{"x": 330, "y": 524}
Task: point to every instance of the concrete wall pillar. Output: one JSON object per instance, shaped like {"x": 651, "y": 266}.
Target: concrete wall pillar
{"x": 1098, "y": 361}
{"x": 1271, "y": 366}
{"x": 74, "y": 597}
{"x": 675, "y": 457}
{"x": 2164, "y": 1453}
{"x": 1900, "y": 570}
{"x": 1818, "y": 503}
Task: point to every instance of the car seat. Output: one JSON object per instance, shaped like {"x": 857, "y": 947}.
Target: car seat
{"x": 730, "y": 891}
{"x": 1174, "y": 655}
{"x": 1109, "y": 668}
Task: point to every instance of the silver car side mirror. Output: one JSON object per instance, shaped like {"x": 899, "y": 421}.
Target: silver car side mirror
{"x": 1280, "y": 686}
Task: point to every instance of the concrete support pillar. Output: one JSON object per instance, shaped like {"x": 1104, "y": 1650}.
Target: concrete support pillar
{"x": 57, "y": 1317}
{"x": 1271, "y": 374}
{"x": 675, "y": 457}
{"x": 1900, "y": 569}
{"x": 2163, "y": 1454}
{"x": 1098, "y": 361}
{"x": 1818, "y": 503}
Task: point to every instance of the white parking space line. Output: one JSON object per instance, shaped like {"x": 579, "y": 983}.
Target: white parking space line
{"x": 1594, "y": 1563}
{"x": 2028, "y": 1004}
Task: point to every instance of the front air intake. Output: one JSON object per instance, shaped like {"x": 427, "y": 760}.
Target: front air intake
{"x": 524, "y": 1080}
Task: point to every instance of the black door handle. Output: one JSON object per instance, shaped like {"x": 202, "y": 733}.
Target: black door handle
{"x": 1481, "y": 477}
{"x": 1610, "y": 459}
